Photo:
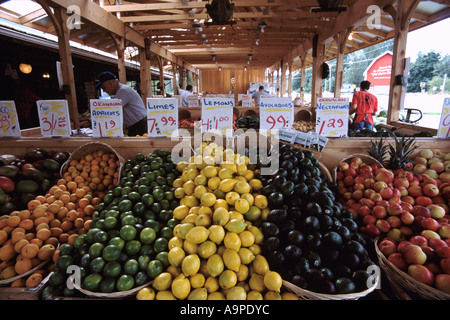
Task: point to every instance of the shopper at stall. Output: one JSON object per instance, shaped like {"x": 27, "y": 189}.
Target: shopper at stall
{"x": 257, "y": 95}
{"x": 185, "y": 95}
{"x": 364, "y": 104}
{"x": 134, "y": 111}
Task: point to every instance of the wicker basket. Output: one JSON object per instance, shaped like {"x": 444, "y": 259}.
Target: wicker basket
{"x": 404, "y": 282}
{"x": 7, "y": 282}
{"x": 112, "y": 295}
{"x": 310, "y": 295}
{"x": 365, "y": 158}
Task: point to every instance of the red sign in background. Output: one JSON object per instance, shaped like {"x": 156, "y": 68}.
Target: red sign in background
{"x": 379, "y": 72}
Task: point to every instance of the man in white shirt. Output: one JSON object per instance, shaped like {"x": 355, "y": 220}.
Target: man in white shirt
{"x": 185, "y": 95}
{"x": 257, "y": 95}
{"x": 134, "y": 111}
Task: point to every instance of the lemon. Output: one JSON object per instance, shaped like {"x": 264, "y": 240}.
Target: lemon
{"x": 162, "y": 281}
{"x": 216, "y": 233}
{"x": 231, "y": 197}
{"x": 178, "y": 183}
{"x": 192, "y": 173}
{"x": 215, "y": 265}
{"x": 260, "y": 265}
{"x": 190, "y": 201}
{"x": 254, "y": 295}
{"x": 243, "y": 273}
{"x": 261, "y": 201}
{"x": 190, "y": 218}
{"x": 226, "y": 185}
{"x": 236, "y": 215}
{"x": 197, "y": 280}
{"x": 205, "y": 210}
{"x": 227, "y": 279}
{"x": 225, "y": 173}
{"x": 180, "y": 212}
{"x": 236, "y": 225}
{"x": 210, "y": 171}
{"x": 174, "y": 271}
{"x": 257, "y": 233}
{"x": 179, "y": 193}
{"x": 181, "y": 165}
{"x": 237, "y": 293}
{"x": 214, "y": 182}
{"x": 232, "y": 241}
{"x": 273, "y": 281}
{"x": 221, "y": 249}
{"x": 231, "y": 259}
{"x": 247, "y": 238}
{"x": 272, "y": 295}
{"x": 256, "y": 283}
{"x": 208, "y": 160}
{"x": 146, "y": 294}
{"x": 246, "y": 255}
{"x": 189, "y": 187}
{"x": 165, "y": 295}
{"x": 240, "y": 178}
{"x": 195, "y": 209}
{"x": 249, "y": 175}
{"x": 289, "y": 296}
{"x": 175, "y": 242}
{"x": 253, "y": 214}
{"x": 208, "y": 199}
{"x": 244, "y": 285}
{"x": 221, "y": 216}
{"x": 207, "y": 249}
{"x": 197, "y": 234}
{"x": 256, "y": 184}
{"x": 255, "y": 248}
{"x": 217, "y": 295}
{"x": 190, "y": 247}
{"x": 199, "y": 191}
{"x": 264, "y": 213}
{"x": 244, "y": 159}
{"x": 242, "y": 205}
{"x": 176, "y": 256}
{"x": 204, "y": 268}
{"x": 221, "y": 203}
{"x": 219, "y": 194}
{"x": 231, "y": 166}
{"x": 180, "y": 230}
{"x": 249, "y": 197}
{"x": 198, "y": 294}
{"x": 181, "y": 287}
{"x": 212, "y": 284}
{"x": 242, "y": 187}
{"x": 190, "y": 265}
{"x": 203, "y": 220}
{"x": 241, "y": 169}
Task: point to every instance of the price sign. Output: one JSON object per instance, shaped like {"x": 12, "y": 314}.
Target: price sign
{"x": 444, "y": 123}
{"x": 9, "y": 123}
{"x": 193, "y": 102}
{"x": 54, "y": 118}
{"x": 107, "y": 118}
{"x": 275, "y": 113}
{"x": 246, "y": 100}
{"x": 162, "y": 117}
{"x": 332, "y": 117}
{"x": 217, "y": 114}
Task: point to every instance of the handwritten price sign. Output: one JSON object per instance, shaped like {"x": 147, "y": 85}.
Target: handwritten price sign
{"x": 275, "y": 113}
{"x": 217, "y": 115}
{"x": 332, "y": 117}
{"x": 444, "y": 123}
{"x": 162, "y": 117}
{"x": 54, "y": 118}
{"x": 9, "y": 123}
{"x": 107, "y": 118}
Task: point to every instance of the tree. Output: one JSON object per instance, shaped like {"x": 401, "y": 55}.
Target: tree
{"x": 422, "y": 70}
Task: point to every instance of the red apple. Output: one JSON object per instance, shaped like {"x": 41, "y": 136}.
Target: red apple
{"x": 359, "y": 186}
{"x": 356, "y": 160}
{"x": 379, "y": 211}
{"x": 394, "y": 221}
{"x": 386, "y": 192}
{"x": 397, "y": 260}
{"x": 403, "y": 245}
{"x": 427, "y": 180}
{"x": 433, "y": 267}
{"x": 403, "y": 191}
{"x": 382, "y": 203}
{"x": 369, "y": 219}
{"x": 437, "y": 243}
{"x": 431, "y": 173}
{"x": 420, "y": 168}
{"x": 406, "y": 231}
{"x": 347, "y": 195}
{"x": 430, "y": 190}
{"x": 430, "y": 252}
{"x": 407, "y": 217}
{"x": 367, "y": 202}
{"x": 368, "y": 192}
{"x": 343, "y": 166}
{"x": 430, "y": 234}
{"x": 444, "y": 231}
{"x": 394, "y": 209}
{"x": 363, "y": 211}
{"x": 446, "y": 192}
{"x": 385, "y": 175}
{"x": 387, "y": 246}
{"x": 421, "y": 274}
{"x": 396, "y": 234}
{"x": 357, "y": 194}
{"x": 430, "y": 224}
{"x": 421, "y": 211}
{"x": 406, "y": 206}
{"x": 368, "y": 183}
{"x": 442, "y": 282}
{"x": 371, "y": 229}
{"x": 444, "y": 176}
{"x": 414, "y": 254}
{"x": 415, "y": 191}
{"x": 418, "y": 240}
{"x": 443, "y": 252}
{"x": 383, "y": 225}
{"x": 408, "y": 199}
{"x": 375, "y": 197}
{"x": 439, "y": 200}
{"x": 339, "y": 176}
{"x": 366, "y": 173}
{"x": 445, "y": 265}
{"x": 350, "y": 172}
{"x": 424, "y": 201}
{"x": 437, "y": 211}
{"x": 379, "y": 185}
{"x": 401, "y": 182}
{"x": 420, "y": 160}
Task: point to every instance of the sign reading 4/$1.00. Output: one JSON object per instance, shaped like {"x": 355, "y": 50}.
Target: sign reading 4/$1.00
{"x": 444, "y": 123}
{"x": 107, "y": 118}
{"x": 275, "y": 113}
{"x": 54, "y": 118}
{"x": 332, "y": 117}
{"x": 9, "y": 123}
{"x": 217, "y": 115}
{"x": 162, "y": 117}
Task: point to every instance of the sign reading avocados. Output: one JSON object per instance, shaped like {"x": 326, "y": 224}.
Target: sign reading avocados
{"x": 9, "y": 123}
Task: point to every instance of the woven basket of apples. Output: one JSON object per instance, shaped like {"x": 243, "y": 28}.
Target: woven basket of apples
{"x": 405, "y": 207}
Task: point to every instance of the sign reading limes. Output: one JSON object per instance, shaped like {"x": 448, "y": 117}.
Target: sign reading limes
{"x": 217, "y": 115}
{"x": 332, "y": 117}
{"x": 9, "y": 123}
{"x": 162, "y": 117}
{"x": 275, "y": 113}
{"x": 54, "y": 118}
{"x": 444, "y": 123}
{"x": 107, "y": 118}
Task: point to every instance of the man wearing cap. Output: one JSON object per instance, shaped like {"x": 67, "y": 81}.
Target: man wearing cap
{"x": 134, "y": 111}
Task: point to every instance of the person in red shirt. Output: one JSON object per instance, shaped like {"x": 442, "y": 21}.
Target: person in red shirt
{"x": 364, "y": 105}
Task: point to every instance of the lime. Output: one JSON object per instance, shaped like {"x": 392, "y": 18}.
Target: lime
{"x": 96, "y": 249}
{"x": 112, "y": 213}
{"x": 117, "y": 241}
{"x": 107, "y": 285}
{"x": 161, "y": 244}
{"x": 128, "y": 232}
{"x": 150, "y": 176}
{"x": 111, "y": 252}
{"x": 165, "y": 214}
{"x": 139, "y": 208}
{"x": 154, "y": 268}
{"x": 147, "y": 199}
{"x": 166, "y": 232}
{"x": 147, "y": 235}
{"x": 101, "y": 236}
{"x": 110, "y": 223}
{"x": 125, "y": 205}
{"x": 125, "y": 282}
{"x": 129, "y": 220}
{"x": 112, "y": 269}
{"x": 134, "y": 196}
{"x": 131, "y": 266}
{"x": 141, "y": 278}
{"x": 91, "y": 282}
{"x": 91, "y": 233}
{"x": 163, "y": 256}
{"x": 143, "y": 261}
{"x": 132, "y": 247}
{"x": 158, "y": 194}
{"x": 155, "y": 225}
{"x": 96, "y": 265}
{"x": 171, "y": 223}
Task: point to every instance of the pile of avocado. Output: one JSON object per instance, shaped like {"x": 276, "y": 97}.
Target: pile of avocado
{"x": 309, "y": 238}
{"x": 127, "y": 242}
{"x": 248, "y": 122}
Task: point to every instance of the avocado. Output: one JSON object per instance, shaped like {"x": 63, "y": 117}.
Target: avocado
{"x": 269, "y": 229}
{"x": 332, "y": 240}
{"x": 277, "y": 215}
{"x": 345, "y": 285}
{"x": 33, "y": 174}
{"x": 50, "y": 165}
{"x": 3, "y": 197}
{"x": 287, "y": 188}
{"x": 27, "y": 186}
{"x": 292, "y": 252}
{"x": 9, "y": 170}
{"x": 322, "y": 198}
{"x": 276, "y": 259}
{"x": 270, "y": 244}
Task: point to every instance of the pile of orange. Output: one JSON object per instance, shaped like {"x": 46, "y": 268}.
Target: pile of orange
{"x": 30, "y": 236}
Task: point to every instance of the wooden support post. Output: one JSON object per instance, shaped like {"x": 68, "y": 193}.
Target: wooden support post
{"x": 340, "y": 39}
{"x": 120, "y": 46}
{"x": 290, "y": 78}
{"x": 181, "y": 69}
{"x": 316, "y": 91}
{"x": 146, "y": 76}
{"x": 278, "y": 81}
{"x": 174, "y": 79}
{"x": 283, "y": 79}
{"x": 161, "y": 75}
{"x": 401, "y": 16}
{"x": 302, "y": 77}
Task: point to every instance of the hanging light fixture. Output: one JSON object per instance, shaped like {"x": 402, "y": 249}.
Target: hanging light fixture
{"x": 262, "y": 25}
{"x": 25, "y": 68}
{"x": 350, "y": 36}
{"x": 220, "y": 68}
{"x": 250, "y": 56}
{"x": 245, "y": 68}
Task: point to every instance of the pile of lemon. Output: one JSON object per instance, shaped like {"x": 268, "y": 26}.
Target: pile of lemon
{"x": 215, "y": 251}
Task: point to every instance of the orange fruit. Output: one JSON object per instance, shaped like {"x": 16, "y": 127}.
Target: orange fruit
{"x": 34, "y": 280}
{"x": 20, "y": 244}
{"x": 55, "y": 232}
{"x": 3, "y": 236}
{"x": 40, "y": 220}
{"x": 7, "y": 252}
{"x": 24, "y": 214}
{"x": 63, "y": 238}
{"x": 13, "y": 221}
{"x": 66, "y": 225}
{"x": 23, "y": 265}
{"x": 83, "y": 202}
{"x": 16, "y": 237}
{"x": 72, "y": 215}
{"x": 30, "y": 250}
{"x": 43, "y": 234}
{"x": 27, "y": 224}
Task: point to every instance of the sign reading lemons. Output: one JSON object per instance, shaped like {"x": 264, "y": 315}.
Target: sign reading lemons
{"x": 162, "y": 117}
{"x": 9, "y": 123}
{"x": 217, "y": 115}
{"x": 275, "y": 113}
{"x": 54, "y": 118}
{"x": 444, "y": 123}
{"x": 332, "y": 117}
{"x": 107, "y": 118}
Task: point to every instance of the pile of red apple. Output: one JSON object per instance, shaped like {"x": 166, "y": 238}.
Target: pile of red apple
{"x": 408, "y": 208}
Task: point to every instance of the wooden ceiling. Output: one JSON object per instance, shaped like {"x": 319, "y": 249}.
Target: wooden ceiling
{"x": 179, "y": 26}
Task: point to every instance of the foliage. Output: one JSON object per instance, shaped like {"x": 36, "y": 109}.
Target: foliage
{"x": 422, "y": 70}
